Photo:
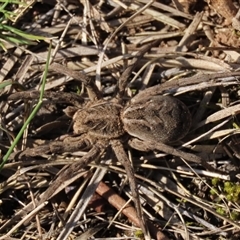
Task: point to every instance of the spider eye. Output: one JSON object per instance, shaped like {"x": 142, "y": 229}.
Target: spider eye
{"x": 88, "y": 122}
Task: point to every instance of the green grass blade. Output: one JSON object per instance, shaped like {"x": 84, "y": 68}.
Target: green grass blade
{"x": 31, "y": 116}
{"x": 20, "y": 33}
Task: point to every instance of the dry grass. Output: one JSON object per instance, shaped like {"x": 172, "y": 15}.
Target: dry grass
{"x": 197, "y": 46}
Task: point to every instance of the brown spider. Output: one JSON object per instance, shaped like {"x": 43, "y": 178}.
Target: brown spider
{"x": 151, "y": 120}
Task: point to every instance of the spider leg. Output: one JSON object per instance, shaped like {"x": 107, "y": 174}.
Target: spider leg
{"x": 151, "y": 146}
{"x": 174, "y": 85}
{"x": 123, "y": 80}
{"x": 64, "y": 178}
{"x": 123, "y": 159}
{"x": 58, "y": 97}
{"x": 93, "y": 91}
{"x": 56, "y": 147}
{"x": 71, "y": 171}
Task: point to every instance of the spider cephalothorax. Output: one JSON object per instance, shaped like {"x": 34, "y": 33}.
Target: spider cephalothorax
{"x": 99, "y": 120}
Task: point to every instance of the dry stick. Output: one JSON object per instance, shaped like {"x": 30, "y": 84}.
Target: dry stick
{"x": 115, "y": 200}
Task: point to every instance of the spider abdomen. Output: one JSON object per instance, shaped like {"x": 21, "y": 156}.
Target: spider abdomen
{"x": 101, "y": 120}
{"x": 157, "y": 118}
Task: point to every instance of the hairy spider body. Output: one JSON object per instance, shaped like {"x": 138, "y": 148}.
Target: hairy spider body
{"x": 156, "y": 118}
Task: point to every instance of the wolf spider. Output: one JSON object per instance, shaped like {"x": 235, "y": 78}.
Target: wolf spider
{"x": 146, "y": 122}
